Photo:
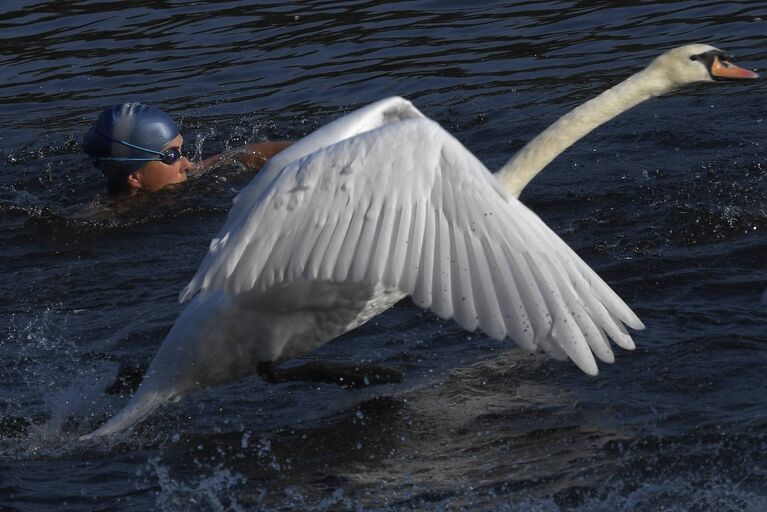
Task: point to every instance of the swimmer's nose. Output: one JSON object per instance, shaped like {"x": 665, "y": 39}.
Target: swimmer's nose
{"x": 186, "y": 165}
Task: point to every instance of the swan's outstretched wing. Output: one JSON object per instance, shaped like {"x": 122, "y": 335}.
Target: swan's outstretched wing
{"x": 407, "y": 206}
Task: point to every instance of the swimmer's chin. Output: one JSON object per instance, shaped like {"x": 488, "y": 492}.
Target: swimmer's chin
{"x": 177, "y": 185}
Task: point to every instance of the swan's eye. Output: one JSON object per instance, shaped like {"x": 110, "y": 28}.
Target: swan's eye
{"x": 695, "y": 57}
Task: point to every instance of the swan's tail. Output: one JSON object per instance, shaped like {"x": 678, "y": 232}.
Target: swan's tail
{"x": 141, "y": 405}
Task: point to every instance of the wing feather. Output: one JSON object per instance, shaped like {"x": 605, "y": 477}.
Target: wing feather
{"x": 564, "y": 331}
{"x": 320, "y": 249}
{"x": 422, "y": 294}
{"x": 486, "y": 295}
{"x": 415, "y": 245}
{"x": 516, "y": 321}
{"x": 399, "y": 245}
{"x": 532, "y": 298}
{"x": 336, "y": 243}
{"x": 381, "y": 253}
{"x": 464, "y": 309}
{"x": 442, "y": 287}
{"x": 363, "y": 255}
{"x": 595, "y": 336}
{"x": 349, "y": 248}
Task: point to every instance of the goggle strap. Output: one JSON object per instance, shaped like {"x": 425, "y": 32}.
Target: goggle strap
{"x": 127, "y": 144}
{"x": 127, "y": 159}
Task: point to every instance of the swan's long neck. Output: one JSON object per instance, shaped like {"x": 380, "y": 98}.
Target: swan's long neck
{"x": 537, "y": 154}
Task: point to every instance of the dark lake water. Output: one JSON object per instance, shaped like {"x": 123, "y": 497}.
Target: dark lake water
{"x": 668, "y": 203}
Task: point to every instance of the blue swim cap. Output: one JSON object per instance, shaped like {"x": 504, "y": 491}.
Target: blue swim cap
{"x": 130, "y": 130}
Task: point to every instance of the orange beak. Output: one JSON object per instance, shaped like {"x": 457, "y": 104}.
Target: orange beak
{"x": 729, "y": 71}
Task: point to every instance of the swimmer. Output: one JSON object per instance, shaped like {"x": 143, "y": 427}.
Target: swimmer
{"x": 139, "y": 148}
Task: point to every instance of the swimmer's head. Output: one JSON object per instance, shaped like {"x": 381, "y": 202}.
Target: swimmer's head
{"x": 137, "y": 146}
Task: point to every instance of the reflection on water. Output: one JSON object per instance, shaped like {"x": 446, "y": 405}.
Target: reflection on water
{"x": 667, "y": 203}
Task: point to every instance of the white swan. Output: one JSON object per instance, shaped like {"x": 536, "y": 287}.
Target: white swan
{"x": 384, "y": 203}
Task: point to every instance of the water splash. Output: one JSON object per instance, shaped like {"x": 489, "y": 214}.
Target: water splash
{"x": 210, "y": 489}
{"x": 54, "y": 393}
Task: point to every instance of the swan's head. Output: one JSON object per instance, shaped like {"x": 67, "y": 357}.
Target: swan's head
{"x": 698, "y": 63}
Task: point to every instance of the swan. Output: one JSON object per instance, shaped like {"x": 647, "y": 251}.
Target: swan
{"x": 383, "y": 203}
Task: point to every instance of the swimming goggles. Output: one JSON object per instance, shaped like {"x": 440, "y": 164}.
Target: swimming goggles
{"x": 169, "y": 156}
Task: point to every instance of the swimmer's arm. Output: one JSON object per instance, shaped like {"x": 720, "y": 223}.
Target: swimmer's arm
{"x": 252, "y": 156}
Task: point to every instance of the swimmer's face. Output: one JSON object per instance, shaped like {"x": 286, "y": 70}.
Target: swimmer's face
{"x": 155, "y": 175}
